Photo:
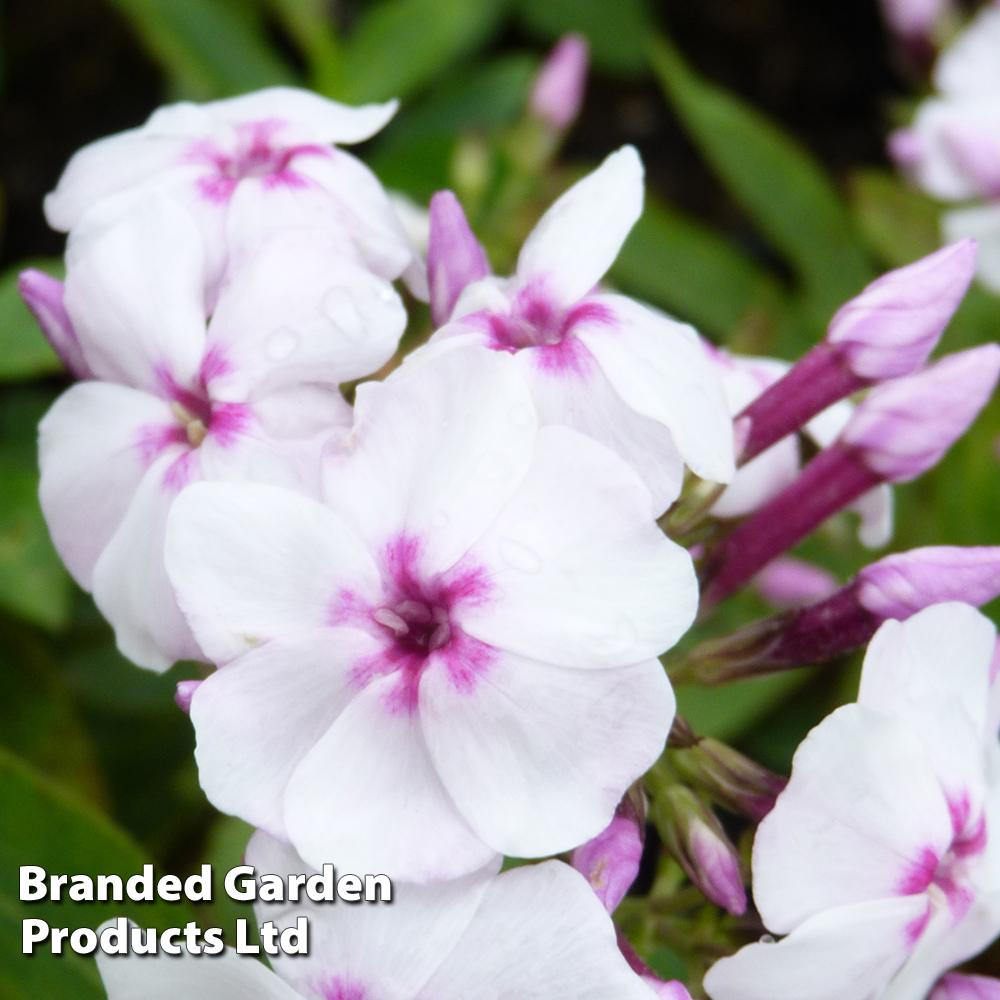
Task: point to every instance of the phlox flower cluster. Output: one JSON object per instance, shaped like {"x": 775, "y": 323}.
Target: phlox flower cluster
{"x": 431, "y": 593}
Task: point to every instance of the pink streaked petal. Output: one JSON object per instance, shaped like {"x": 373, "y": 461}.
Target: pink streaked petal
{"x": 252, "y": 562}
{"x": 94, "y": 449}
{"x": 368, "y": 795}
{"x": 846, "y": 829}
{"x": 846, "y": 953}
{"x": 130, "y": 581}
{"x": 537, "y": 757}
{"x": 455, "y": 257}
{"x": 539, "y": 931}
{"x": 578, "y": 238}
{"x": 623, "y": 596}
{"x": 959, "y": 986}
{"x": 436, "y": 451}
{"x": 257, "y": 719}
{"x": 136, "y": 297}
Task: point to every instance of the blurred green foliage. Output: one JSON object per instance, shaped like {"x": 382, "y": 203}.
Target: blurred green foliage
{"x": 96, "y": 767}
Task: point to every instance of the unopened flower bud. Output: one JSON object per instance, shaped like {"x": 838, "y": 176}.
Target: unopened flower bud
{"x": 695, "y": 838}
{"x": 455, "y": 257}
{"x": 913, "y": 19}
{"x": 43, "y": 295}
{"x": 557, "y": 93}
{"x": 959, "y": 986}
{"x": 610, "y": 862}
{"x": 904, "y": 427}
{"x": 184, "y": 693}
{"x": 887, "y": 331}
{"x": 790, "y": 582}
{"x": 729, "y": 778}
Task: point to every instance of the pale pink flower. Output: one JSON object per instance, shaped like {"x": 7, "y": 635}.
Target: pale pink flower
{"x": 173, "y": 399}
{"x": 914, "y": 19}
{"x": 244, "y": 166}
{"x": 454, "y": 654}
{"x": 620, "y": 372}
{"x": 557, "y": 93}
{"x": 880, "y": 861}
{"x": 536, "y": 931}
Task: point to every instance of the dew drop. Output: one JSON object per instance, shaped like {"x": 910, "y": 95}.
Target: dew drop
{"x": 519, "y": 556}
{"x": 440, "y": 519}
{"x": 281, "y": 344}
{"x": 767, "y": 939}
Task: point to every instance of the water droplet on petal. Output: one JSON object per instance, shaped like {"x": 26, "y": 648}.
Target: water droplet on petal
{"x": 385, "y": 291}
{"x": 440, "y": 519}
{"x": 281, "y": 344}
{"x": 767, "y": 939}
{"x": 519, "y": 556}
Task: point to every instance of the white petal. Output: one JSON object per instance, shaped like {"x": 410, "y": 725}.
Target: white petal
{"x": 536, "y": 757}
{"x": 131, "y": 588}
{"x": 578, "y": 238}
{"x": 587, "y": 578}
{"x": 257, "y": 718}
{"x": 307, "y": 116}
{"x": 540, "y": 932}
{"x": 136, "y": 298}
{"x": 969, "y": 66}
{"x": 875, "y": 509}
{"x": 584, "y": 400}
{"x": 388, "y": 951}
{"x": 368, "y": 798}
{"x": 252, "y": 562}
{"x": 92, "y": 458}
{"x": 660, "y": 368}
{"x": 296, "y": 310}
{"x": 436, "y": 452}
{"x": 760, "y": 479}
{"x": 848, "y": 953}
{"x": 861, "y": 819}
{"x": 983, "y": 224}
{"x": 227, "y": 976}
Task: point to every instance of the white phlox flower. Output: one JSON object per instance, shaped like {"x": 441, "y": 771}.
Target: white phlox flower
{"x": 536, "y": 931}
{"x": 601, "y": 363}
{"x": 743, "y": 379}
{"x": 248, "y": 395}
{"x": 881, "y": 859}
{"x": 454, "y": 654}
{"x": 952, "y": 149}
{"x": 244, "y": 166}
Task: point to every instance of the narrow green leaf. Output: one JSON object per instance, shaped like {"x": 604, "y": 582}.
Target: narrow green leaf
{"x": 401, "y": 45}
{"x": 616, "y": 30}
{"x": 684, "y": 267}
{"x": 776, "y": 181}
{"x": 24, "y": 351}
{"x": 209, "y": 48}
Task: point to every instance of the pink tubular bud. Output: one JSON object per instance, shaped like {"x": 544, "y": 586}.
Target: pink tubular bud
{"x": 904, "y": 427}
{"x": 557, "y": 93}
{"x": 184, "y": 693}
{"x": 610, "y": 862}
{"x": 695, "y": 838}
{"x": 959, "y": 986}
{"x": 887, "y": 331}
{"x": 891, "y": 328}
{"x": 43, "y": 295}
{"x": 904, "y": 583}
{"x": 789, "y": 582}
{"x": 455, "y": 257}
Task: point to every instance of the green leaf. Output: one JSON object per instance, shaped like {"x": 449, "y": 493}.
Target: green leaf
{"x": 686, "y": 268}
{"x": 401, "y": 45}
{"x": 616, "y": 30}
{"x": 776, "y": 181}
{"x": 24, "y": 351}
{"x": 41, "y": 824}
{"x": 210, "y": 48}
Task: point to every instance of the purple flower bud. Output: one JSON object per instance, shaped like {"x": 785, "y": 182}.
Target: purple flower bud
{"x": 557, "y": 93}
{"x": 184, "y": 693}
{"x": 610, "y": 862}
{"x": 455, "y": 257}
{"x": 790, "y": 582}
{"x": 904, "y": 427}
{"x": 887, "y": 331}
{"x": 43, "y": 295}
{"x": 913, "y": 18}
{"x": 959, "y": 986}
{"x": 696, "y": 839}
{"x": 904, "y": 583}
{"x": 891, "y": 328}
